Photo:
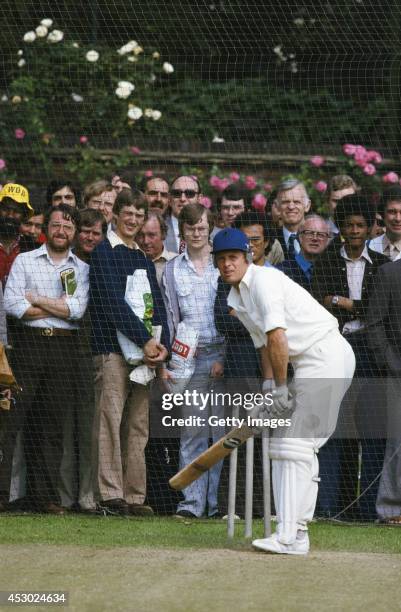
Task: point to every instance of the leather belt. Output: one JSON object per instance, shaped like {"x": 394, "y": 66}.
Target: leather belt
{"x": 50, "y": 332}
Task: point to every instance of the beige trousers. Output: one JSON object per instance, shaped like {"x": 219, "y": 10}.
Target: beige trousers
{"x": 121, "y": 431}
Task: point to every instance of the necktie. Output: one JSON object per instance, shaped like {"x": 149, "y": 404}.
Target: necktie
{"x": 290, "y": 247}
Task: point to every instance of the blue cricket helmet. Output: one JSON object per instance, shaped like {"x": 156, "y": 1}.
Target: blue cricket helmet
{"x": 230, "y": 239}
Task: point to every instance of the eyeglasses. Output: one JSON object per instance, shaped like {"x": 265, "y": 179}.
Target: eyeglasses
{"x": 189, "y": 193}
{"x": 191, "y": 230}
{"x": 312, "y": 234}
{"x": 97, "y": 203}
{"x": 154, "y": 192}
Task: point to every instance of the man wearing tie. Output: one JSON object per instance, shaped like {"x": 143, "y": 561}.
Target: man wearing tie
{"x": 293, "y": 203}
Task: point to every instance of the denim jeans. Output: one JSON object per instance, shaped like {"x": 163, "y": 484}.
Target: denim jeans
{"x": 195, "y": 440}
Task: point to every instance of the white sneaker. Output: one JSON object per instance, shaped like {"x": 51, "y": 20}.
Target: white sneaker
{"x": 272, "y": 545}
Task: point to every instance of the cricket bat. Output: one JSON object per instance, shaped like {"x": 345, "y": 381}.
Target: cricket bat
{"x": 220, "y": 449}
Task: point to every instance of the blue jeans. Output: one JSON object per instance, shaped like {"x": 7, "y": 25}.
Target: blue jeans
{"x": 194, "y": 441}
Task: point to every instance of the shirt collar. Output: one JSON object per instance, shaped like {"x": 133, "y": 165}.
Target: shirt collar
{"x": 115, "y": 240}
{"x": 164, "y": 255}
{"x": 364, "y": 255}
{"x": 303, "y": 263}
{"x": 42, "y": 252}
{"x": 389, "y": 245}
{"x": 287, "y": 234}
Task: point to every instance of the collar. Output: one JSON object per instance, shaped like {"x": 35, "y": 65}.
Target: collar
{"x": 364, "y": 255}
{"x": 389, "y": 245}
{"x": 305, "y": 265}
{"x": 115, "y": 240}
{"x": 164, "y": 255}
{"x": 42, "y": 252}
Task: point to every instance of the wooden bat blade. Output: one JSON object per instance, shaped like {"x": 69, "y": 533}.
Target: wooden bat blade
{"x": 211, "y": 456}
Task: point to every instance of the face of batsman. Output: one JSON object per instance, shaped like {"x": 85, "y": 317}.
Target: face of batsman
{"x": 232, "y": 266}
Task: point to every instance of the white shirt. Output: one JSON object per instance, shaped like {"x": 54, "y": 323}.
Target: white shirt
{"x": 115, "y": 240}
{"x": 36, "y": 272}
{"x": 287, "y": 234}
{"x": 381, "y": 244}
{"x": 174, "y": 223}
{"x": 355, "y": 272}
{"x": 160, "y": 262}
{"x": 267, "y": 299}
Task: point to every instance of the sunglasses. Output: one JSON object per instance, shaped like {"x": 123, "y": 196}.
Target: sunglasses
{"x": 189, "y": 193}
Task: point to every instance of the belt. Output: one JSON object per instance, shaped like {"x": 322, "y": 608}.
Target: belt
{"x": 49, "y": 332}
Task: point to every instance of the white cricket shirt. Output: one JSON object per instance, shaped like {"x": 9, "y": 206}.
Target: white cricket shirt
{"x": 267, "y": 299}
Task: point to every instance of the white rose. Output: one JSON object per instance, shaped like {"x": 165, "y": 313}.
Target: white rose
{"x": 92, "y": 56}
{"x": 20, "y": 52}
{"x": 21, "y": 63}
{"x": 55, "y": 36}
{"x": 75, "y": 45}
{"x": 168, "y": 68}
{"x": 148, "y": 112}
{"x": 156, "y": 115}
{"x": 156, "y": 55}
{"x": 76, "y": 97}
{"x": 124, "y": 89}
{"x": 47, "y": 23}
{"x": 29, "y": 37}
{"x": 4, "y": 98}
{"x": 217, "y": 139}
{"x": 130, "y": 46}
{"x": 132, "y": 58}
{"x": 41, "y": 31}
{"x": 138, "y": 50}
{"x": 134, "y": 113}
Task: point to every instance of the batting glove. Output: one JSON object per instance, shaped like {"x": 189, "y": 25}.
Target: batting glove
{"x": 282, "y": 402}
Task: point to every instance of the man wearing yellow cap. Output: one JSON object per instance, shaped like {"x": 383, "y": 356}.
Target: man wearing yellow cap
{"x": 14, "y": 209}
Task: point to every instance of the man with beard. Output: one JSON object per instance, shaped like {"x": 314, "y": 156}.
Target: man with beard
{"x": 15, "y": 209}
{"x": 47, "y": 292}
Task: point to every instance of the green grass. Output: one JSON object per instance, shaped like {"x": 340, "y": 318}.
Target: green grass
{"x": 169, "y": 533}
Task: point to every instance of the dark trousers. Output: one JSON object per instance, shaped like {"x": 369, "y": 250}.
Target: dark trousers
{"x": 44, "y": 363}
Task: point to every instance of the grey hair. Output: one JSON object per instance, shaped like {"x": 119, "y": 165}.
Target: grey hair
{"x": 291, "y": 184}
{"x": 313, "y": 216}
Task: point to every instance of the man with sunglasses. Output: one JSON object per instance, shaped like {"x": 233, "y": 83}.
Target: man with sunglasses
{"x": 313, "y": 237}
{"x": 184, "y": 190}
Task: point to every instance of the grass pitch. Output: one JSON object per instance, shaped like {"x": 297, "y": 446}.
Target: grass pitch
{"x": 162, "y": 564}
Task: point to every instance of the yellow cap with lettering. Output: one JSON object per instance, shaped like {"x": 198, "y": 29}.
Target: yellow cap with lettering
{"x": 18, "y": 193}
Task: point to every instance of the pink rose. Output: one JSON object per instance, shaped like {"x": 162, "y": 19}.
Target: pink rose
{"x": 360, "y": 156}
{"x": 349, "y": 149}
{"x": 19, "y": 134}
{"x": 250, "y": 182}
{"x": 268, "y": 187}
{"x": 234, "y": 176}
{"x": 2, "y": 164}
{"x": 148, "y": 173}
{"x": 83, "y": 139}
{"x": 374, "y": 156}
{"x": 317, "y": 161}
{"x": 223, "y": 184}
{"x": 369, "y": 169}
{"x": 214, "y": 181}
{"x": 391, "y": 177}
{"x": 206, "y": 202}
{"x": 320, "y": 186}
{"x": 135, "y": 150}
{"x": 259, "y": 202}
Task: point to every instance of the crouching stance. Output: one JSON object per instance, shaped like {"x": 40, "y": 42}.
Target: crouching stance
{"x": 288, "y": 325}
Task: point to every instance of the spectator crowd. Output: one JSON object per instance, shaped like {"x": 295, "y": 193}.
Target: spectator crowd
{"x": 87, "y": 273}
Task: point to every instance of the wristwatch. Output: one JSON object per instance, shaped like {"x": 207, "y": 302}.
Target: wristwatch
{"x": 334, "y": 300}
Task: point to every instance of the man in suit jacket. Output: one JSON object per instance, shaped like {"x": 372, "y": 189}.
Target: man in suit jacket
{"x": 384, "y": 335}
{"x": 343, "y": 281}
{"x": 313, "y": 237}
{"x": 390, "y": 210}
{"x": 293, "y": 203}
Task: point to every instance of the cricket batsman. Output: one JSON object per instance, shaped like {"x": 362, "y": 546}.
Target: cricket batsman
{"x": 288, "y": 326}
